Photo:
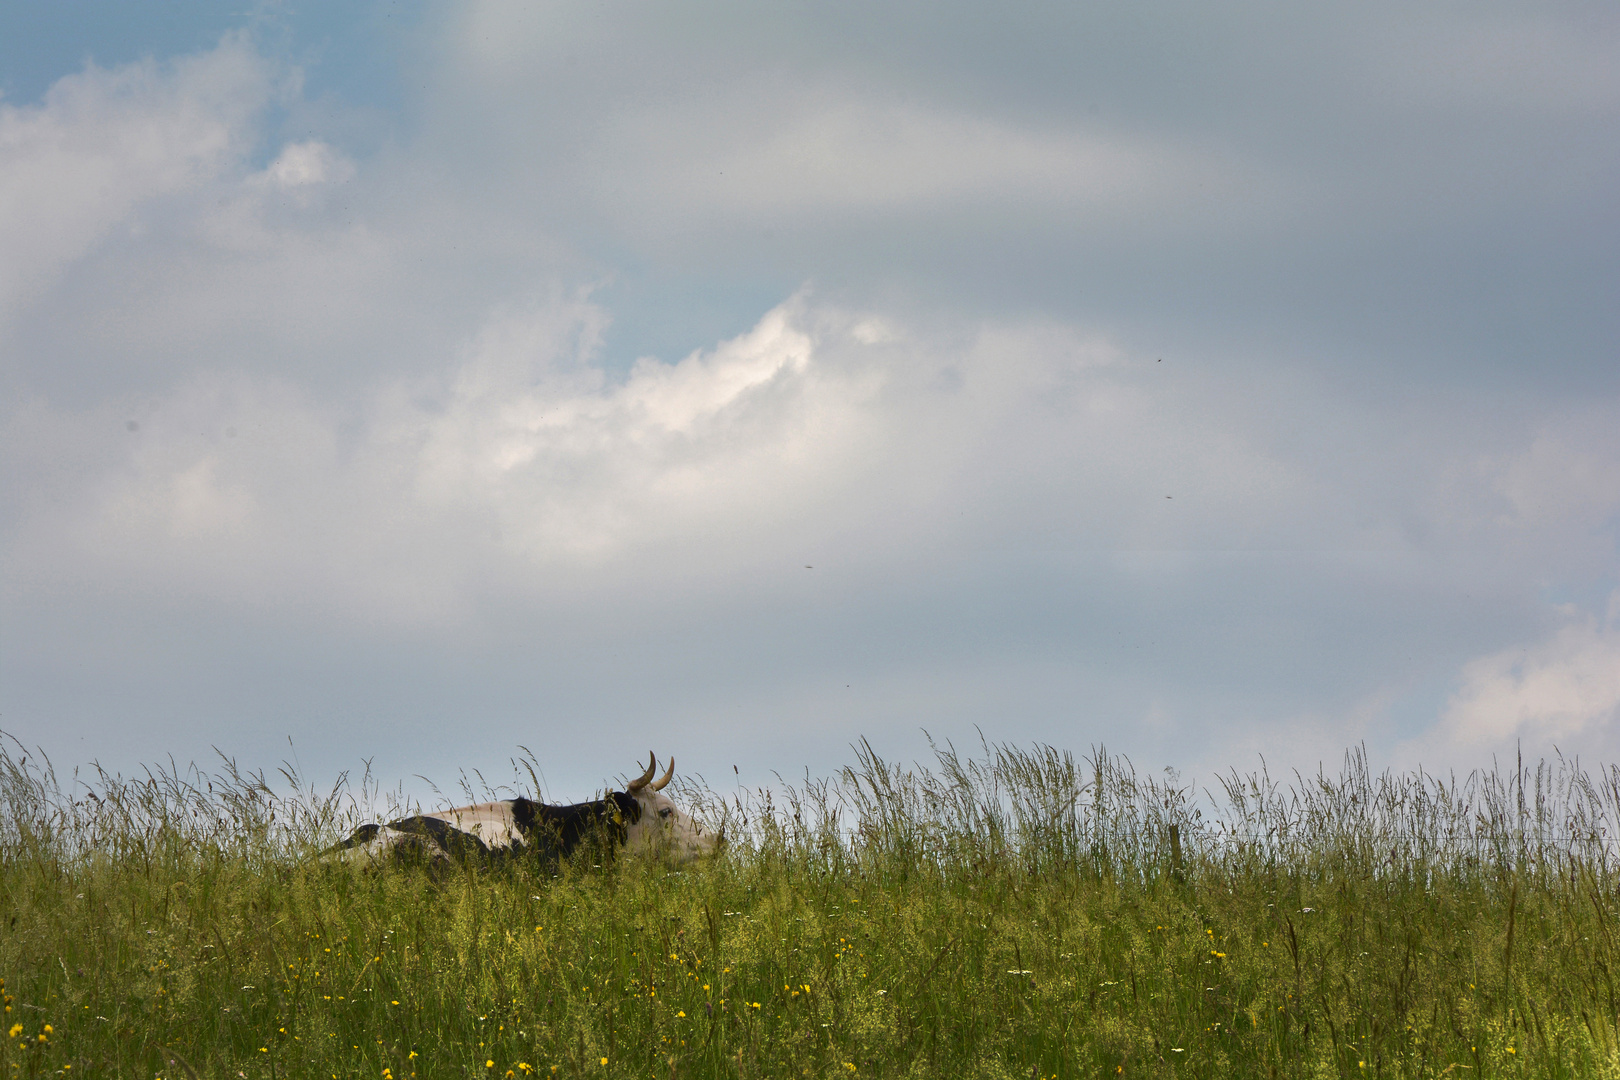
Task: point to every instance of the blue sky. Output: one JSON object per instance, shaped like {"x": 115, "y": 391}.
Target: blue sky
{"x": 414, "y": 382}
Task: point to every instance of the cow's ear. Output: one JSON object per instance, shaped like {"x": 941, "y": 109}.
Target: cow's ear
{"x": 627, "y": 806}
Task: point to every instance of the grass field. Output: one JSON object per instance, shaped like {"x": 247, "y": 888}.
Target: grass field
{"x": 1013, "y": 914}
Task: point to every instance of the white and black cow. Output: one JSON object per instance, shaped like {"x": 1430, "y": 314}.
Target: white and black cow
{"x": 640, "y": 819}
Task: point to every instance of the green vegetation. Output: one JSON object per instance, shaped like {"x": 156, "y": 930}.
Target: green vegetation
{"x": 1019, "y": 914}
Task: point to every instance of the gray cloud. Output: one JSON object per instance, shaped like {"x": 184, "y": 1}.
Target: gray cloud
{"x": 1383, "y": 184}
{"x": 1197, "y": 383}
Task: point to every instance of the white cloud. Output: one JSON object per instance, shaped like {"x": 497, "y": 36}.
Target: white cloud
{"x": 526, "y": 456}
{"x": 1566, "y": 687}
{"x": 1567, "y": 478}
{"x": 903, "y": 442}
{"x": 831, "y": 155}
{"x": 310, "y": 162}
{"x": 816, "y": 423}
{"x": 104, "y": 141}
{"x": 570, "y": 464}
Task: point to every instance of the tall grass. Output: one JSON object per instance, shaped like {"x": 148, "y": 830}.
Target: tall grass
{"x": 1009, "y": 913}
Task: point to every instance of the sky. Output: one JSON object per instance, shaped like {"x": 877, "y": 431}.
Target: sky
{"x": 409, "y": 383}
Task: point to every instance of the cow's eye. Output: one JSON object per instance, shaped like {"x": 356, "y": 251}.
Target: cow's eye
{"x": 666, "y": 812}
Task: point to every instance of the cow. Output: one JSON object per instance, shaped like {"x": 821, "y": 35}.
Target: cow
{"x": 639, "y": 819}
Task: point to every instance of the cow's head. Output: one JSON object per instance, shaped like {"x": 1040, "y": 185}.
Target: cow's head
{"x": 654, "y": 824}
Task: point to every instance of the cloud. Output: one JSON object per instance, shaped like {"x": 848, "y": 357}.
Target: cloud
{"x": 529, "y": 498}
{"x": 819, "y": 426}
{"x": 103, "y": 142}
{"x": 1566, "y": 482}
{"x": 305, "y": 163}
{"x": 1562, "y": 689}
{"x": 572, "y": 465}
{"x": 831, "y": 156}
{"x": 356, "y": 418}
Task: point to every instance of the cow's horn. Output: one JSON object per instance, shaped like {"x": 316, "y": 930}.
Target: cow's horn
{"x": 669, "y": 772}
{"x": 641, "y": 782}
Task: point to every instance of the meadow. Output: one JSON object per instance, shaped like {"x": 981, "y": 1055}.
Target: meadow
{"x": 1020, "y": 913}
